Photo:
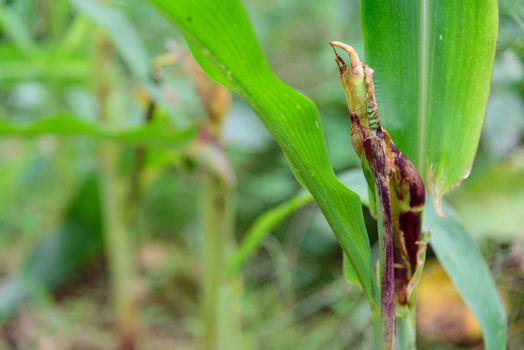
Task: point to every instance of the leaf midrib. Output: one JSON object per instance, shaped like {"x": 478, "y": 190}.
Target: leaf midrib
{"x": 423, "y": 85}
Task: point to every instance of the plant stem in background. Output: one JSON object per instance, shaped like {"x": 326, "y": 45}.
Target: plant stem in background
{"x": 139, "y": 157}
{"x": 220, "y": 293}
{"x": 118, "y": 248}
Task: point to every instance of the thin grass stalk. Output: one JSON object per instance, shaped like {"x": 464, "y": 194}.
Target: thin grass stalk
{"x": 118, "y": 247}
{"x": 221, "y": 294}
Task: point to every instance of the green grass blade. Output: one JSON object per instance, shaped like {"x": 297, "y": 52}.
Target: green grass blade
{"x": 124, "y": 37}
{"x": 222, "y": 33}
{"x": 42, "y": 67}
{"x": 433, "y": 62}
{"x": 262, "y": 226}
{"x": 122, "y": 33}
{"x": 464, "y": 263}
{"x": 156, "y": 134}
{"x": 12, "y": 26}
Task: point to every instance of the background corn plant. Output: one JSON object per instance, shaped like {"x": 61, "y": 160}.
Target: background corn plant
{"x": 433, "y": 66}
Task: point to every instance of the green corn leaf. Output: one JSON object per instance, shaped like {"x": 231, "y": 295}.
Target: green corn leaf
{"x": 349, "y": 273}
{"x": 156, "y": 134}
{"x": 433, "y": 62}
{"x": 127, "y": 42}
{"x": 122, "y": 34}
{"x": 42, "y": 67}
{"x": 15, "y": 29}
{"x": 465, "y": 265}
{"x": 222, "y": 36}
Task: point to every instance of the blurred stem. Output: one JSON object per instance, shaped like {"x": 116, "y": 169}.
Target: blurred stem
{"x": 45, "y": 10}
{"x": 221, "y": 292}
{"x": 118, "y": 248}
{"x": 221, "y": 295}
{"x": 406, "y": 329}
{"x": 377, "y": 326}
{"x": 139, "y": 157}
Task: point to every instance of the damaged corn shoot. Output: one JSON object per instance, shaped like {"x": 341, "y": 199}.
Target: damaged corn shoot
{"x": 396, "y": 196}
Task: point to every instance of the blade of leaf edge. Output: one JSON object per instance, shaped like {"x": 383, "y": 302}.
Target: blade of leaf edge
{"x": 465, "y": 265}
{"x": 223, "y": 31}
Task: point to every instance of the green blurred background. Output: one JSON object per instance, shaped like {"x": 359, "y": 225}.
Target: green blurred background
{"x": 295, "y": 296}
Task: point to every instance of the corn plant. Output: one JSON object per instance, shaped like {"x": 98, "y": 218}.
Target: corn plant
{"x": 432, "y": 62}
